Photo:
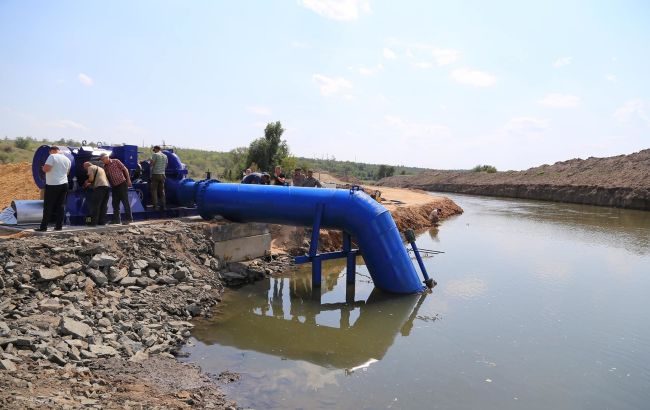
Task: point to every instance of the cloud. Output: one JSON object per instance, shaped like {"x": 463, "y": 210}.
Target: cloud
{"x": 382, "y": 99}
{"x": 633, "y": 110}
{"x": 562, "y": 61}
{"x": 342, "y": 10}
{"x": 423, "y": 65}
{"x": 611, "y": 77}
{"x": 525, "y": 126}
{"x": 371, "y": 70}
{"x": 330, "y": 86}
{"x": 66, "y": 124}
{"x": 416, "y": 130}
{"x": 424, "y": 51}
{"x": 445, "y": 56}
{"x": 299, "y": 44}
{"x": 259, "y": 110}
{"x": 474, "y": 78}
{"x": 129, "y": 128}
{"x": 389, "y": 54}
{"x": 85, "y": 79}
{"x": 560, "y": 100}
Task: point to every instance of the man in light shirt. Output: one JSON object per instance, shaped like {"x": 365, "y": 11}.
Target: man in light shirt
{"x": 157, "y": 186}
{"x": 56, "y": 168}
{"x": 98, "y": 203}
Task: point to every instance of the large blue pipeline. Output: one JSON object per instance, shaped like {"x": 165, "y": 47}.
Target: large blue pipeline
{"x": 353, "y": 212}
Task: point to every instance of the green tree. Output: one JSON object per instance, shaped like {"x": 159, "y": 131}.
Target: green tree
{"x": 289, "y": 164}
{"x": 385, "y": 171}
{"x": 235, "y": 163}
{"x": 258, "y": 154}
{"x": 271, "y": 149}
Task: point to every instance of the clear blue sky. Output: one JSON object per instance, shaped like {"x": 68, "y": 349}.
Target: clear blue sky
{"x": 440, "y": 84}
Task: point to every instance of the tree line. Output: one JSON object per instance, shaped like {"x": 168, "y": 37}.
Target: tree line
{"x": 262, "y": 154}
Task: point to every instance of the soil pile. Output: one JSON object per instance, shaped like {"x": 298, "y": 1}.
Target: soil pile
{"x": 17, "y": 183}
{"x": 621, "y": 181}
{"x": 411, "y": 209}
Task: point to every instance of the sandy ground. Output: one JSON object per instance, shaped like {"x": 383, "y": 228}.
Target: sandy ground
{"x": 17, "y": 183}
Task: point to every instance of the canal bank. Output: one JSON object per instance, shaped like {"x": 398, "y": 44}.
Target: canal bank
{"x": 96, "y": 319}
{"x": 622, "y": 181}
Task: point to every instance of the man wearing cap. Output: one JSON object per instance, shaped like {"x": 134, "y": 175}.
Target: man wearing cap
{"x": 56, "y": 168}
{"x": 157, "y": 187}
{"x": 120, "y": 180}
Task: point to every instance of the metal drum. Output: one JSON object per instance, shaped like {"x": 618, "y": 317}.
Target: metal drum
{"x": 28, "y": 211}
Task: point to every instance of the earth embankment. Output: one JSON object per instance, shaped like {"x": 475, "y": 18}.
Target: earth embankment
{"x": 622, "y": 181}
{"x": 17, "y": 183}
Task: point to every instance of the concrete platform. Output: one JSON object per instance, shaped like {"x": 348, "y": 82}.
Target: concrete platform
{"x": 236, "y": 242}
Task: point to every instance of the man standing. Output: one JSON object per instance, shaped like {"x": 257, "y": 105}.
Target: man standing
{"x": 157, "y": 186}
{"x": 310, "y": 181}
{"x": 298, "y": 177}
{"x": 278, "y": 177}
{"x": 99, "y": 197}
{"x": 120, "y": 181}
{"x": 56, "y": 168}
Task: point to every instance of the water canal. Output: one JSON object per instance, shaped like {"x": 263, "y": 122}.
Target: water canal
{"x": 539, "y": 305}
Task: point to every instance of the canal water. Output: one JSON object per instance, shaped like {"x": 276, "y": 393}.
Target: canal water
{"x": 539, "y": 305}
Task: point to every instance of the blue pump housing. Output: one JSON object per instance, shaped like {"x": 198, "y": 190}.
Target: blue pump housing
{"x": 353, "y": 212}
{"x": 139, "y": 195}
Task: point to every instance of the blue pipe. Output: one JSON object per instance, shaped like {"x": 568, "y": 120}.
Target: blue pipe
{"x": 351, "y": 211}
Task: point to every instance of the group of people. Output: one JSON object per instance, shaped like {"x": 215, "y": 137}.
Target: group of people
{"x": 113, "y": 175}
{"x": 279, "y": 178}
{"x": 111, "y": 178}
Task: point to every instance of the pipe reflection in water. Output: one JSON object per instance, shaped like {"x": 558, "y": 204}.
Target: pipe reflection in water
{"x": 330, "y": 327}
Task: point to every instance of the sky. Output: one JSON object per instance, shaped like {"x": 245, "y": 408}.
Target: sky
{"x": 435, "y": 84}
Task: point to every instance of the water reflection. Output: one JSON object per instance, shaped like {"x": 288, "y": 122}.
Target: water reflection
{"x": 331, "y": 327}
{"x": 538, "y": 314}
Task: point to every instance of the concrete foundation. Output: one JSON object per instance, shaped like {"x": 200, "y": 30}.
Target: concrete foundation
{"x": 236, "y": 242}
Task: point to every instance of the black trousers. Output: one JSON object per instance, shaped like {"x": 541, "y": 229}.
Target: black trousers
{"x": 54, "y": 205}
{"x": 98, "y": 205}
{"x": 121, "y": 194}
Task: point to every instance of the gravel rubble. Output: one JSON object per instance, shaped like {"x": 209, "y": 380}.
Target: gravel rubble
{"x": 95, "y": 320}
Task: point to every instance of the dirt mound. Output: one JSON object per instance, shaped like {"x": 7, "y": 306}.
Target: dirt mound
{"x": 419, "y": 216}
{"x": 17, "y": 183}
{"x": 622, "y": 171}
{"x": 622, "y": 181}
{"x": 414, "y": 212}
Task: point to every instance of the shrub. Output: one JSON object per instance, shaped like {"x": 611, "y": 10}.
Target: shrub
{"x": 22, "y": 142}
{"x": 485, "y": 168}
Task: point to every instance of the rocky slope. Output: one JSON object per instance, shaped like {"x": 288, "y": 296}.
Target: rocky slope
{"x": 94, "y": 320}
{"x": 621, "y": 181}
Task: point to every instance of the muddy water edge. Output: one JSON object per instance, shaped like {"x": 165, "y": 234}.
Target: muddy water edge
{"x": 539, "y": 305}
